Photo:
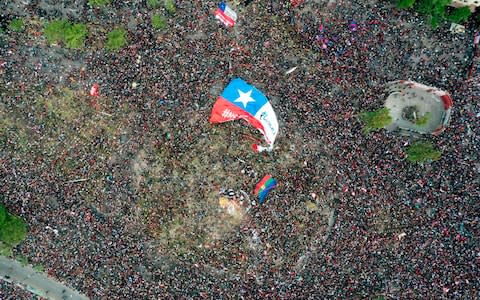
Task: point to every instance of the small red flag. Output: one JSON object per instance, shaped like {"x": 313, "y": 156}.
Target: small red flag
{"x": 95, "y": 90}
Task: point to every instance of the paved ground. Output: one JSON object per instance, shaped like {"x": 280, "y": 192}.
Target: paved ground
{"x": 425, "y": 103}
{"x": 35, "y": 282}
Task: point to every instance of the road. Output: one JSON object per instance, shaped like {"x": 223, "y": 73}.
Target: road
{"x": 35, "y": 282}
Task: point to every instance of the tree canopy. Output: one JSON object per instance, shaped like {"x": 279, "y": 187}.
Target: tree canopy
{"x": 422, "y": 151}
{"x": 436, "y": 10}
{"x": 375, "y": 120}
{"x": 116, "y": 39}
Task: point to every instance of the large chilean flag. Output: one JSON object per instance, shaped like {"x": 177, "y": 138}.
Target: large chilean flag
{"x": 239, "y": 100}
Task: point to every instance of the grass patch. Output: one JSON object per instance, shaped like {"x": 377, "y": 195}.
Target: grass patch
{"x": 422, "y": 152}
{"x": 423, "y": 120}
{"x": 13, "y": 230}
{"x": 159, "y": 22}
{"x": 39, "y": 268}
{"x": 70, "y": 125}
{"x": 189, "y": 222}
{"x": 65, "y": 106}
{"x": 376, "y": 120}
{"x": 13, "y": 134}
{"x": 22, "y": 260}
{"x": 3, "y": 214}
{"x": 16, "y": 25}
{"x": 5, "y": 249}
{"x": 116, "y": 39}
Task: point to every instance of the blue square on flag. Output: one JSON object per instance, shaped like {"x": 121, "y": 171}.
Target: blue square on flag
{"x": 244, "y": 96}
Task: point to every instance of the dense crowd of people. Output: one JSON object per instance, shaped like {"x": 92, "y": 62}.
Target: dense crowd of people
{"x": 399, "y": 230}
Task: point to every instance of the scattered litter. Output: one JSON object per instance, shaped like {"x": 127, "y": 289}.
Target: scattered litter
{"x": 231, "y": 207}
{"x": 106, "y": 114}
{"x": 55, "y": 231}
{"x": 290, "y": 70}
{"x": 457, "y": 28}
{"x": 77, "y": 180}
{"x": 311, "y": 206}
{"x": 244, "y": 196}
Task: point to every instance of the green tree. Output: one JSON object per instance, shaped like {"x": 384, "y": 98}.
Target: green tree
{"x": 75, "y": 36}
{"x": 54, "y": 31}
{"x": 402, "y": 4}
{"x": 98, "y": 3}
{"x": 375, "y": 120}
{"x": 436, "y": 19}
{"x": 13, "y": 230}
{"x": 16, "y": 25}
{"x": 436, "y": 10}
{"x": 432, "y": 7}
{"x": 170, "y": 6}
{"x": 422, "y": 151}
{"x": 159, "y": 22}
{"x": 459, "y": 15}
{"x": 116, "y": 39}
{"x": 153, "y": 3}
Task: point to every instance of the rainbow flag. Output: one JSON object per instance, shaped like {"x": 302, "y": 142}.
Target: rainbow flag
{"x": 264, "y": 186}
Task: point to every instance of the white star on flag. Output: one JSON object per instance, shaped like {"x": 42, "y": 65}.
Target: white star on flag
{"x": 245, "y": 98}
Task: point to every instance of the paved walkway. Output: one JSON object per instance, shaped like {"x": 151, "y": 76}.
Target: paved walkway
{"x": 424, "y": 102}
{"x": 35, "y": 282}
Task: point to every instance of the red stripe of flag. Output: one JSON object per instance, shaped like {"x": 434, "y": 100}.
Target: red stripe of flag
{"x": 224, "y": 18}
{"x": 262, "y": 183}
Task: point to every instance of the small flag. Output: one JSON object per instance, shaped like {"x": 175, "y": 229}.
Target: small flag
{"x": 352, "y": 25}
{"x": 264, "y": 186}
{"x": 225, "y": 14}
{"x": 95, "y": 90}
{"x": 296, "y": 3}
